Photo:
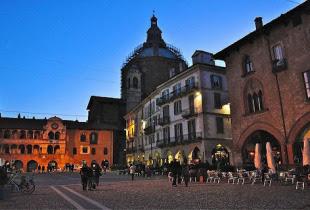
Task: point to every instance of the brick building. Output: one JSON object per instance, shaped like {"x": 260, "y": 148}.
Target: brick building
{"x": 268, "y": 74}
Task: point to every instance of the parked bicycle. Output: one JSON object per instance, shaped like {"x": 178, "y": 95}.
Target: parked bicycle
{"x": 21, "y": 183}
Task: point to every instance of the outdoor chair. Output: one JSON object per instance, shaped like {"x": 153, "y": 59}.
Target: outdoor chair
{"x": 216, "y": 178}
{"x": 290, "y": 178}
{"x": 300, "y": 184}
{"x": 231, "y": 178}
{"x": 267, "y": 180}
{"x": 256, "y": 178}
{"x": 241, "y": 178}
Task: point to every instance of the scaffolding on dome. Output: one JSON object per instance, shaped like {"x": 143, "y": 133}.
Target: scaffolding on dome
{"x": 139, "y": 48}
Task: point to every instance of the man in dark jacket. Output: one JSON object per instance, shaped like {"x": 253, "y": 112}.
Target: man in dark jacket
{"x": 174, "y": 171}
{"x": 96, "y": 173}
{"x": 85, "y": 176}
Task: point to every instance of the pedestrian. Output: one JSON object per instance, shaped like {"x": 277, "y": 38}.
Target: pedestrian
{"x": 179, "y": 172}
{"x": 84, "y": 172}
{"x": 96, "y": 172}
{"x": 174, "y": 168}
{"x": 185, "y": 172}
{"x": 132, "y": 171}
{"x": 39, "y": 169}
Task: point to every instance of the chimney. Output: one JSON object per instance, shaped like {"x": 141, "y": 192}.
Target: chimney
{"x": 258, "y": 23}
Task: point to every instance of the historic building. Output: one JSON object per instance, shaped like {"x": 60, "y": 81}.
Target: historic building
{"x": 148, "y": 66}
{"x": 186, "y": 117}
{"x": 268, "y": 74}
{"x": 29, "y": 143}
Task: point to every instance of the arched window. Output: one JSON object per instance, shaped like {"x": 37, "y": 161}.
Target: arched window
{"x": 248, "y": 65}
{"x": 50, "y": 149}
{"x": 128, "y": 83}
{"x": 250, "y": 103}
{"x": 57, "y": 149}
{"x": 260, "y": 100}
{"x": 93, "y": 138}
{"x": 57, "y": 135}
{"x": 83, "y": 137}
{"x": 29, "y": 149}
{"x": 22, "y": 134}
{"x": 51, "y": 135}
{"x": 37, "y": 134}
{"x": 22, "y": 149}
{"x": 30, "y": 134}
{"x": 256, "y": 106}
{"x": 7, "y": 134}
{"x": 135, "y": 83}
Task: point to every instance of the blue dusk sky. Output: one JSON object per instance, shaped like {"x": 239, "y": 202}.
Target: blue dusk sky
{"x": 55, "y": 54}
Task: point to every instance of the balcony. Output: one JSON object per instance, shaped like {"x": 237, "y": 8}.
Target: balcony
{"x": 176, "y": 94}
{"x": 164, "y": 120}
{"x": 180, "y": 140}
{"x": 189, "y": 88}
{"x": 279, "y": 65}
{"x": 149, "y": 130}
{"x": 191, "y": 112}
{"x": 131, "y": 150}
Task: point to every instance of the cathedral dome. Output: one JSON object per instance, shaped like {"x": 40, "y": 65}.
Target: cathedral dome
{"x": 154, "y": 46}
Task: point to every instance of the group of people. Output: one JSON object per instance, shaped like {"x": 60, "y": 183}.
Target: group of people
{"x": 177, "y": 171}
{"x": 90, "y": 175}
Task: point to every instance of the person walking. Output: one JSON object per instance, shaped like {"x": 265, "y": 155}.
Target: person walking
{"x": 132, "y": 171}
{"x": 39, "y": 169}
{"x": 84, "y": 175}
{"x": 96, "y": 173}
{"x": 174, "y": 171}
{"x": 185, "y": 172}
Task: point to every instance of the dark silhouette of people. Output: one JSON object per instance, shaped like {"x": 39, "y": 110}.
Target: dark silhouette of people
{"x": 96, "y": 172}
{"x": 185, "y": 173}
{"x": 86, "y": 176}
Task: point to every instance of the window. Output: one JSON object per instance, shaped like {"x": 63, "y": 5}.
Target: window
{"x": 278, "y": 52}
{"x": 166, "y": 134}
{"x": 83, "y": 137}
{"x": 151, "y": 139}
{"x": 171, "y": 72}
{"x": 217, "y": 101}
{"x": 165, "y": 94}
{"x": 51, "y": 135}
{"x": 190, "y": 82}
{"x": 50, "y": 149}
{"x": 93, "y": 151}
{"x": 84, "y": 150}
{"x": 191, "y": 125}
{"x": 255, "y": 102}
{"x": 105, "y": 151}
{"x": 219, "y": 125}
{"x": 135, "y": 83}
{"x": 177, "y": 89}
{"x": 22, "y": 134}
{"x": 74, "y": 150}
{"x": 177, "y": 107}
{"x": 216, "y": 81}
{"x": 248, "y": 65}
{"x": 178, "y": 132}
{"x": 307, "y": 83}
{"x": 57, "y": 135}
{"x": 128, "y": 83}
{"x": 7, "y": 134}
{"x": 166, "y": 111}
{"x": 93, "y": 138}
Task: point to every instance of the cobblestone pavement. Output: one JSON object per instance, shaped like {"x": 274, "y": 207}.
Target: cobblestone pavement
{"x": 118, "y": 192}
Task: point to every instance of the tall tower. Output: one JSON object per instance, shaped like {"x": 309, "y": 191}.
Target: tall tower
{"x": 149, "y": 65}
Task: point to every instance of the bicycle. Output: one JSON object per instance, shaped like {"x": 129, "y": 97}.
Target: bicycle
{"x": 26, "y": 184}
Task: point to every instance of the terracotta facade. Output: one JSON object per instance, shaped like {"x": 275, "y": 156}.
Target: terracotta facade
{"x": 33, "y": 142}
